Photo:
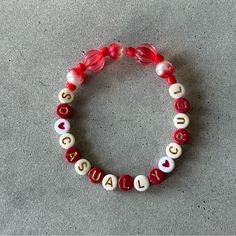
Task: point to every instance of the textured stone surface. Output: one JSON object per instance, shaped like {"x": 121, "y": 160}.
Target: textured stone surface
{"x": 124, "y": 117}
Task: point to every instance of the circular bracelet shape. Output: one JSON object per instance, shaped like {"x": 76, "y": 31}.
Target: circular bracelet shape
{"x": 94, "y": 61}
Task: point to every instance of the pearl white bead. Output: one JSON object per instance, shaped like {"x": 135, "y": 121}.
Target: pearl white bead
{"x": 181, "y": 121}
{"x": 74, "y": 78}
{"x": 82, "y": 166}
{"x": 65, "y": 96}
{"x": 62, "y": 126}
{"x": 164, "y": 69}
{"x": 166, "y": 164}
{"x": 109, "y": 182}
{"x": 141, "y": 183}
{"x": 176, "y": 90}
{"x": 67, "y": 140}
{"x": 173, "y": 150}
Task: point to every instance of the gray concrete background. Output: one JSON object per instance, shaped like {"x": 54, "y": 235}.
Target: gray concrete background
{"x": 123, "y": 118}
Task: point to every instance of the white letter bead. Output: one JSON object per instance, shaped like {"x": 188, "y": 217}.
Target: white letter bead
{"x": 82, "y": 166}
{"x": 62, "y": 126}
{"x": 141, "y": 183}
{"x": 176, "y": 90}
{"x": 66, "y": 96}
{"x": 74, "y": 78}
{"x": 166, "y": 164}
{"x": 173, "y": 150}
{"x": 109, "y": 182}
{"x": 181, "y": 121}
{"x": 67, "y": 140}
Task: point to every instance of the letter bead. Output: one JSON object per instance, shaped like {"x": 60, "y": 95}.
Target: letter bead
{"x": 166, "y": 164}
{"x": 125, "y": 182}
{"x": 109, "y": 182}
{"x": 181, "y": 121}
{"x": 155, "y": 176}
{"x": 181, "y": 136}
{"x": 141, "y": 183}
{"x": 95, "y": 175}
{"x": 82, "y": 166}
{"x": 181, "y": 105}
{"x": 62, "y": 126}
{"x": 66, "y": 96}
{"x": 72, "y": 154}
{"x": 67, "y": 140}
{"x": 64, "y": 110}
{"x": 176, "y": 90}
{"x": 173, "y": 150}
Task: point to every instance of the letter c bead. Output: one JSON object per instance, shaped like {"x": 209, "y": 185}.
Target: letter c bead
{"x": 109, "y": 182}
{"x": 173, "y": 150}
{"x": 82, "y": 166}
{"x": 67, "y": 140}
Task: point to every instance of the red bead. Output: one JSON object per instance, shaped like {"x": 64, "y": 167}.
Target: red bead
{"x": 145, "y": 54}
{"x": 104, "y": 51}
{"x": 81, "y": 67}
{"x": 116, "y": 50}
{"x": 130, "y": 52}
{"x": 72, "y": 154}
{"x": 164, "y": 69}
{"x": 158, "y": 58}
{"x": 171, "y": 80}
{"x": 95, "y": 175}
{"x": 64, "y": 110}
{"x": 181, "y": 136}
{"x": 70, "y": 86}
{"x": 94, "y": 60}
{"x": 181, "y": 105}
{"x": 126, "y": 182}
{"x": 155, "y": 176}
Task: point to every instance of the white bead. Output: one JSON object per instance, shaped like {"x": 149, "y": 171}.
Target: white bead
{"x": 164, "y": 69}
{"x": 181, "y": 121}
{"x": 62, "y": 126}
{"x": 66, "y": 96}
{"x": 176, "y": 90}
{"x": 109, "y": 182}
{"x": 74, "y": 78}
{"x": 141, "y": 183}
{"x": 173, "y": 150}
{"x": 67, "y": 140}
{"x": 82, "y": 166}
{"x": 166, "y": 164}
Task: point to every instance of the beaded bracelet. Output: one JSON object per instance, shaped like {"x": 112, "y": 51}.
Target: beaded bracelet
{"x": 94, "y": 61}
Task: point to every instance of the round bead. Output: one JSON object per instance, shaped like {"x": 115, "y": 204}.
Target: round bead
{"x": 82, "y": 166}
{"x": 104, "y": 51}
{"x": 145, "y": 53}
{"x": 126, "y": 182}
{"x": 63, "y": 110}
{"x": 72, "y": 154}
{"x": 181, "y": 136}
{"x": 81, "y": 67}
{"x": 95, "y": 175}
{"x": 94, "y": 60}
{"x": 164, "y": 69}
{"x": 62, "y": 126}
{"x": 141, "y": 183}
{"x": 67, "y": 140}
{"x": 166, "y": 164}
{"x": 155, "y": 176}
{"x": 181, "y": 121}
{"x": 65, "y": 96}
{"x": 158, "y": 58}
{"x": 130, "y": 52}
{"x": 173, "y": 150}
{"x": 181, "y": 105}
{"x": 71, "y": 87}
{"x": 109, "y": 182}
{"x": 75, "y": 77}
{"x": 171, "y": 80}
{"x": 176, "y": 90}
{"x": 116, "y": 50}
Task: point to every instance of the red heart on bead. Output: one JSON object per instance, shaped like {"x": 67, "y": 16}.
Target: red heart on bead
{"x": 166, "y": 164}
{"x": 61, "y": 125}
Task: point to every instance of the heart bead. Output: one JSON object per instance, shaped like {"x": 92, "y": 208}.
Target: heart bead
{"x": 166, "y": 164}
{"x": 62, "y": 126}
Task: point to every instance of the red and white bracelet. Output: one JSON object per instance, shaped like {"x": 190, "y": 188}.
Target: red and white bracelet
{"x": 94, "y": 61}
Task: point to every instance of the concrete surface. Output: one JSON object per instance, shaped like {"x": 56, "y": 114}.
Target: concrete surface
{"x": 123, "y": 119}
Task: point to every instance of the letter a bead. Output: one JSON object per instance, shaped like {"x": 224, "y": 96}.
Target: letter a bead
{"x": 72, "y": 154}
{"x": 109, "y": 182}
{"x": 141, "y": 183}
{"x": 82, "y": 166}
